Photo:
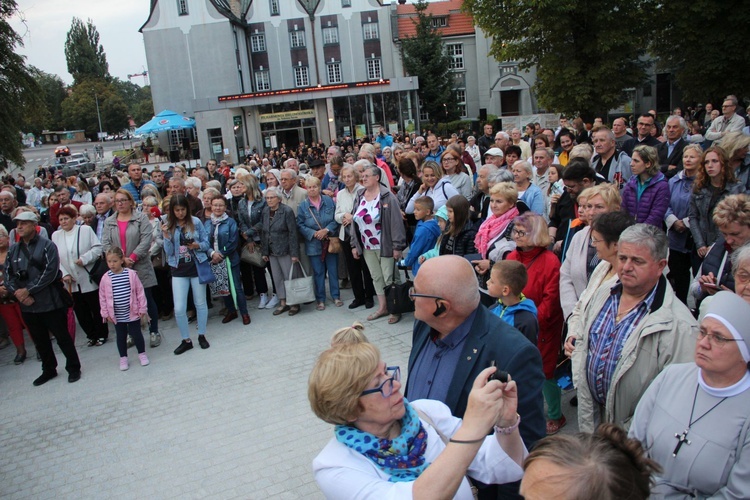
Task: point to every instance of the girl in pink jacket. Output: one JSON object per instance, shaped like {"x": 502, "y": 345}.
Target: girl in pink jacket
{"x": 123, "y": 303}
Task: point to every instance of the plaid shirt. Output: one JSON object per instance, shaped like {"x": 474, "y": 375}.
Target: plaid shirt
{"x": 607, "y": 338}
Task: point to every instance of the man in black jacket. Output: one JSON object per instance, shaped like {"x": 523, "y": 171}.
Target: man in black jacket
{"x": 670, "y": 151}
{"x": 487, "y": 141}
{"x": 32, "y": 276}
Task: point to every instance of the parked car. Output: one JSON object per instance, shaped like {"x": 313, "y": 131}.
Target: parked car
{"x": 62, "y": 151}
{"x": 86, "y": 164}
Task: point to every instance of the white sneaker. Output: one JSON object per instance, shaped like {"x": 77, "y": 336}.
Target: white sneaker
{"x": 263, "y": 301}
{"x": 273, "y": 302}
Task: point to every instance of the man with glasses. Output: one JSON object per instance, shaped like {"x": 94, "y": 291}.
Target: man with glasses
{"x": 455, "y": 338}
{"x": 629, "y": 333}
{"x": 645, "y": 126}
{"x": 729, "y": 121}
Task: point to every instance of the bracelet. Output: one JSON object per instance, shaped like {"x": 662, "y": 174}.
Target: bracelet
{"x": 508, "y": 430}
{"x": 460, "y": 441}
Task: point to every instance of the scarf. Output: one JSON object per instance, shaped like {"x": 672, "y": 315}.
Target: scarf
{"x": 402, "y": 457}
{"x": 218, "y": 220}
{"x": 491, "y": 227}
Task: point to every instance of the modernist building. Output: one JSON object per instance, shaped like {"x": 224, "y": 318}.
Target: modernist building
{"x": 262, "y": 73}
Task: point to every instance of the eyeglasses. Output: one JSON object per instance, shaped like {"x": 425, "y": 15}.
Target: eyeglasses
{"x": 122, "y": 200}
{"x": 386, "y": 388}
{"x": 741, "y": 277}
{"x": 450, "y": 159}
{"x": 595, "y": 241}
{"x": 519, "y": 233}
{"x": 715, "y": 340}
{"x": 413, "y": 295}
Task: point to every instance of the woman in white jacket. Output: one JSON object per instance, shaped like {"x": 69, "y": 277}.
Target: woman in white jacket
{"x": 79, "y": 248}
{"x": 435, "y": 185}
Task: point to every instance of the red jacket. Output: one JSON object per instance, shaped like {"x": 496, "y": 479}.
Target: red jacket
{"x": 543, "y": 288}
{"x": 54, "y": 212}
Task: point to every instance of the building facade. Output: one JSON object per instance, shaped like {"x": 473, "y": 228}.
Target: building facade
{"x": 266, "y": 73}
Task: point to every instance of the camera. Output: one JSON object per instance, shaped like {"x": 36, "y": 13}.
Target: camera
{"x": 22, "y": 275}
{"x": 500, "y": 375}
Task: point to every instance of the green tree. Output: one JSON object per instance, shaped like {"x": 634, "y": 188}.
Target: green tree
{"x": 585, "y": 53}
{"x": 708, "y": 57}
{"x": 53, "y": 93}
{"x": 19, "y": 91}
{"x": 79, "y": 109}
{"x": 83, "y": 52}
{"x": 424, "y": 56}
{"x": 144, "y": 109}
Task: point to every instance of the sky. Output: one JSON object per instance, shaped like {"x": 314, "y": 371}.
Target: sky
{"x": 48, "y": 21}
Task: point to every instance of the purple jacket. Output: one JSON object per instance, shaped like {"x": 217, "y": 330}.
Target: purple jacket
{"x": 654, "y": 202}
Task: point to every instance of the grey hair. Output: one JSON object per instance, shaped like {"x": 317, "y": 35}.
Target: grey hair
{"x": 3, "y": 231}
{"x": 369, "y": 150}
{"x": 337, "y": 150}
{"x": 374, "y": 170}
{"x": 739, "y": 256}
{"x": 502, "y": 175}
{"x": 286, "y": 163}
{"x": 491, "y": 169}
{"x": 526, "y": 166}
{"x": 683, "y": 123}
{"x": 605, "y": 130}
{"x": 365, "y": 164}
{"x": 289, "y": 171}
{"x": 502, "y": 134}
{"x": 583, "y": 150}
{"x": 87, "y": 209}
{"x": 648, "y": 236}
{"x": 352, "y": 169}
{"x": 274, "y": 191}
{"x": 193, "y": 182}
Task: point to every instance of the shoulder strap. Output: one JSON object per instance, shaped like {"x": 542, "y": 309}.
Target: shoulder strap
{"x": 427, "y": 419}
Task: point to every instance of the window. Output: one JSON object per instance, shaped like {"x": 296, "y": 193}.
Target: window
{"x": 374, "y": 71}
{"x": 330, "y": 35}
{"x": 456, "y": 53}
{"x": 370, "y": 31}
{"x": 334, "y": 72}
{"x": 258, "y": 42}
{"x": 423, "y": 114}
{"x": 461, "y": 101}
{"x": 346, "y": 3}
{"x": 301, "y": 76}
{"x": 182, "y": 8}
{"x": 439, "y": 22}
{"x": 262, "y": 81}
{"x": 297, "y": 38}
{"x": 274, "y": 7}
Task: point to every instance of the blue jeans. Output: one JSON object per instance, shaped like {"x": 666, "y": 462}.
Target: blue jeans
{"x": 180, "y": 288}
{"x": 241, "y": 300}
{"x": 319, "y": 275}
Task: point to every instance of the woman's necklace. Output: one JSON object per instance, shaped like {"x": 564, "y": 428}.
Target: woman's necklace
{"x": 682, "y": 438}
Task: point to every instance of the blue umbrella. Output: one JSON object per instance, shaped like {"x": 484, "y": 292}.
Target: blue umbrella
{"x": 166, "y": 120}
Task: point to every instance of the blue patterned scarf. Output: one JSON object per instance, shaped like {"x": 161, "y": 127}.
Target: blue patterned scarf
{"x": 402, "y": 457}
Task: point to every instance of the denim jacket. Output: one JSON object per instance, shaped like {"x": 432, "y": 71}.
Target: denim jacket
{"x": 172, "y": 245}
{"x": 228, "y": 239}
{"x": 306, "y": 222}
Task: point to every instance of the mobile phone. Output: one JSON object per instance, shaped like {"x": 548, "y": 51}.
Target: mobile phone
{"x": 710, "y": 285}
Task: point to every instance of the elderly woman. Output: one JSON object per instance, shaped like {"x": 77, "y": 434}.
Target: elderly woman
{"x": 273, "y": 178}
{"x": 693, "y": 417}
{"x": 132, "y": 232}
{"x": 435, "y": 185}
{"x": 10, "y": 310}
{"x": 543, "y": 287}
{"x": 581, "y": 257}
{"x": 682, "y": 256}
{"x": 279, "y": 244}
{"x": 78, "y": 248}
{"x": 378, "y": 235}
{"x": 646, "y": 194}
{"x": 316, "y": 223}
{"x": 529, "y": 193}
{"x": 473, "y": 149}
{"x": 223, "y": 238}
{"x": 715, "y": 180}
{"x": 359, "y": 275}
{"x": 562, "y": 467}
{"x": 387, "y": 447}
{"x": 87, "y": 214}
{"x": 248, "y": 215}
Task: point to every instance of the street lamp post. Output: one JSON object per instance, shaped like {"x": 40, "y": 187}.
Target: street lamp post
{"x": 99, "y": 116}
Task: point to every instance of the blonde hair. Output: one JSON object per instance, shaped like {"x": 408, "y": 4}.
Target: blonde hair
{"x": 340, "y": 375}
{"x": 506, "y": 191}
{"x": 609, "y": 193}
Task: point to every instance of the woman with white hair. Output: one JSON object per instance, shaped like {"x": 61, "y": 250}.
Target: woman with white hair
{"x": 528, "y": 192}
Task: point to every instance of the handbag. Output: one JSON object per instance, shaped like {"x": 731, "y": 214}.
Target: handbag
{"x": 220, "y": 287}
{"x": 205, "y": 275}
{"x": 157, "y": 261}
{"x": 99, "y": 268}
{"x": 299, "y": 290}
{"x": 254, "y": 258}
{"x": 397, "y": 298}
{"x": 334, "y": 243}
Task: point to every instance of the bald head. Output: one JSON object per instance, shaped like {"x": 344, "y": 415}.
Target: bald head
{"x": 452, "y": 278}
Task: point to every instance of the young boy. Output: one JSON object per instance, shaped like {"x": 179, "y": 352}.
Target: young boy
{"x": 425, "y": 235}
{"x": 506, "y": 283}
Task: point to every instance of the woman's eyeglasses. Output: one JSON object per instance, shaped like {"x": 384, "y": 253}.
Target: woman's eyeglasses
{"x": 519, "y": 233}
{"x": 715, "y": 340}
{"x": 386, "y": 388}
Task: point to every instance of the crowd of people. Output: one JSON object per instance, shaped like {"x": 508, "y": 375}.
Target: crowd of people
{"x": 602, "y": 245}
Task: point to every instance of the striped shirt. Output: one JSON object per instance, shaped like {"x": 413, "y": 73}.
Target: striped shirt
{"x": 607, "y": 337}
{"x": 121, "y": 295}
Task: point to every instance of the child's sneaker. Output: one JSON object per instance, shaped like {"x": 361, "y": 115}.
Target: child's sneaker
{"x": 124, "y": 363}
{"x": 273, "y": 302}
{"x": 263, "y": 301}
{"x": 144, "y": 359}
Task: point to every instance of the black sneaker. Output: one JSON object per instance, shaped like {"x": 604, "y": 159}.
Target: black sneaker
{"x": 185, "y": 345}
{"x": 44, "y": 378}
{"x": 356, "y": 303}
{"x": 203, "y": 342}
{"x": 74, "y": 377}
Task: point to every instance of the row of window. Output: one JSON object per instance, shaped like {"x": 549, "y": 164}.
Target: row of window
{"x": 330, "y": 37}
{"x": 333, "y": 72}
{"x": 182, "y": 7}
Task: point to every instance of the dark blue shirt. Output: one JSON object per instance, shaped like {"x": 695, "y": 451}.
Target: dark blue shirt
{"x": 433, "y": 369}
